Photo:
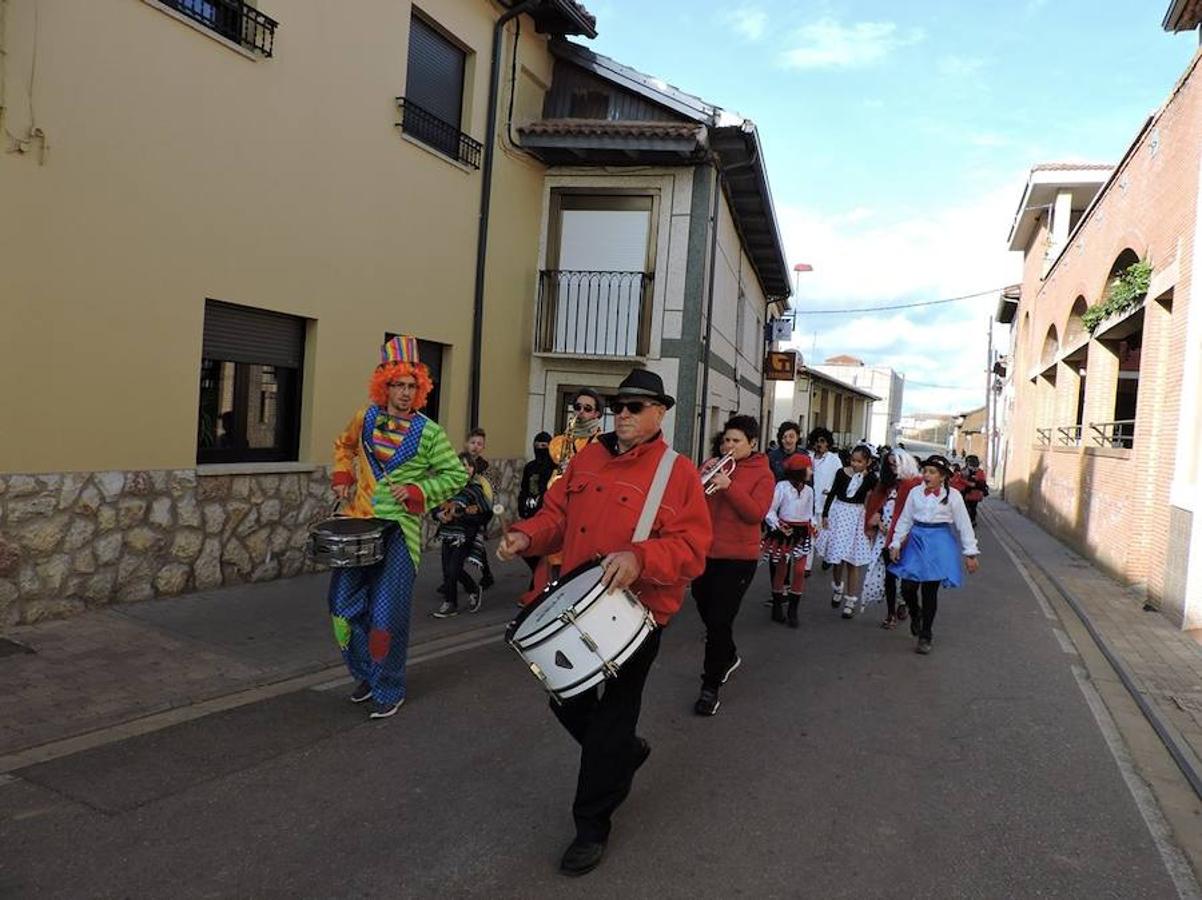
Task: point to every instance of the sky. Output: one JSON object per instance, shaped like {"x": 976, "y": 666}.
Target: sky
{"x": 898, "y": 137}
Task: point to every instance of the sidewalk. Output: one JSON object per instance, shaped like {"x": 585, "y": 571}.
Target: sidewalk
{"x": 1163, "y": 664}
{"x": 117, "y": 664}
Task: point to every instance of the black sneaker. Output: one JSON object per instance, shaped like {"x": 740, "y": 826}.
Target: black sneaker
{"x": 581, "y": 857}
{"x": 361, "y": 693}
{"x": 707, "y": 704}
{"x": 475, "y": 601}
{"x": 384, "y": 710}
{"x": 447, "y": 610}
{"x": 734, "y": 665}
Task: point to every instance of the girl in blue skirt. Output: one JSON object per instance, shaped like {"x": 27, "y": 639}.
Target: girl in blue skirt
{"x": 936, "y": 531}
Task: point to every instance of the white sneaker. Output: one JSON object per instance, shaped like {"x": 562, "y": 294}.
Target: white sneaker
{"x": 837, "y": 596}
{"x": 475, "y": 601}
{"x": 849, "y": 607}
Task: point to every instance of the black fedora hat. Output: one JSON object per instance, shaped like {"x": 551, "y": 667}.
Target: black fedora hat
{"x": 645, "y": 383}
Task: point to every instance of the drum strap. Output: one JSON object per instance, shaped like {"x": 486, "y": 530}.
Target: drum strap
{"x": 655, "y": 496}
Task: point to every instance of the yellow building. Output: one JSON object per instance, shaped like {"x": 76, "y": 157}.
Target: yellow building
{"x": 209, "y": 222}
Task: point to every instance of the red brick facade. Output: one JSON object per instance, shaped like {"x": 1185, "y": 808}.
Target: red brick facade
{"x": 1110, "y": 498}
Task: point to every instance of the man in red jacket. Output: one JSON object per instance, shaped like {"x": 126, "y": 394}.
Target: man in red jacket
{"x": 590, "y": 513}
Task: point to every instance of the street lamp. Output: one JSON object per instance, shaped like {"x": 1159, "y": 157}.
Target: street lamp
{"x": 797, "y": 270}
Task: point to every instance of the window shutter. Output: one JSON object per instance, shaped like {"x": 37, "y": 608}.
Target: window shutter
{"x": 246, "y": 335}
{"x": 435, "y": 79}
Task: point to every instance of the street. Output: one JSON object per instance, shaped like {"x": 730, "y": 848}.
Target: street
{"x": 841, "y": 764}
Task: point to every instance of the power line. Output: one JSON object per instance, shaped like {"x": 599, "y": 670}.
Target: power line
{"x": 943, "y": 387}
{"x": 860, "y": 309}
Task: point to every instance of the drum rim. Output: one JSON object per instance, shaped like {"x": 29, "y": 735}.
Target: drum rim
{"x": 544, "y": 594}
{"x": 383, "y": 526}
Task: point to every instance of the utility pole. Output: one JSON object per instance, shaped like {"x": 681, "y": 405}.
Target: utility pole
{"x": 988, "y": 429}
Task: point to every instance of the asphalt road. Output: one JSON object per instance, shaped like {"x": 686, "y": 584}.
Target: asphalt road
{"x": 840, "y": 765}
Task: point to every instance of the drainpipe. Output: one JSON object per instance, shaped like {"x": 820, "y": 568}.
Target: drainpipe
{"x": 490, "y": 140}
{"x": 702, "y": 447}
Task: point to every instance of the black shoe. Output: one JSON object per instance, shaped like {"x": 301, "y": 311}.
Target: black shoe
{"x": 924, "y": 646}
{"x": 384, "y": 710}
{"x": 707, "y": 704}
{"x": 581, "y": 857}
{"x": 778, "y": 614}
{"x": 362, "y": 692}
{"x": 794, "y": 600}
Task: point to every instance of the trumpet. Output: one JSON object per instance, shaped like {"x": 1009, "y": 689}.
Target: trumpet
{"x": 724, "y": 464}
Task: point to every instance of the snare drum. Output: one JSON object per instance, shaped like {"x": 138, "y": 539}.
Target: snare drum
{"x": 576, "y": 634}
{"x": 344, "y": 542}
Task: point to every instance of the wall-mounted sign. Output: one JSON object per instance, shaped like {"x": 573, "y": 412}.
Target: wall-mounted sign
{"x": 780, "y": 365}
{"x": 782, "y": 329}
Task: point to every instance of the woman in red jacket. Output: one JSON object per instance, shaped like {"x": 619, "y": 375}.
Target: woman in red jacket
{"x": 737, "y": 507}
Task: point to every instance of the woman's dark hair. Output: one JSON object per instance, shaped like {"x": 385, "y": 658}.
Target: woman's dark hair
{"x": 780, "y": 432}
{"x": 746, "y": 424}
{"x": 863, "y": 450}
{"x": 820, "y": 432}
{"x": 888, "y": 475}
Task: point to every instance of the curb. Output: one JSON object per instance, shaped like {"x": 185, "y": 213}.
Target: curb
{"x": 1179, "y": 749}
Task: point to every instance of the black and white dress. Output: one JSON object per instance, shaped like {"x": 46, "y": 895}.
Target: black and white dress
{"x": 844, "y": 537}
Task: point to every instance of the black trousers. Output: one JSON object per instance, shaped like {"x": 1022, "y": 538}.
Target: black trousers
{"x": 454, "y": 570}
{"x": 971, "y": 506}
{"x": 930, "y": 604}
{"x": 890, "y": 592}
{"x": 603, "y": 722}
{"x": 719, "y": 593}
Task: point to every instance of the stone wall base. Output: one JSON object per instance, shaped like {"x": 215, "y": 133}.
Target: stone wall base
{"x": 79, "y": 540}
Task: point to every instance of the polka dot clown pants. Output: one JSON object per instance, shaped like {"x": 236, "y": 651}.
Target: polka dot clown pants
{"x": 370, "y": 608}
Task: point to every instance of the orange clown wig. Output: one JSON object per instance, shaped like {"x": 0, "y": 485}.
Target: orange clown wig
{"x": 398, "y": 359}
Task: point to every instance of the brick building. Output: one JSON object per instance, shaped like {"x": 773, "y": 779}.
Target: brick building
{"x": 1105, "y": 362}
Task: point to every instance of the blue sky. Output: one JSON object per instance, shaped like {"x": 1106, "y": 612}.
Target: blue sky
{"x": 898, "y": 137}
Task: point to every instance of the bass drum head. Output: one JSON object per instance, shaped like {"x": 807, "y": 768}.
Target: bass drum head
{"x": 556, "y": 599}
{"x": 347, "y": 526}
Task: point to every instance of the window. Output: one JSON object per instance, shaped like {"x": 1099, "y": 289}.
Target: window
{"x": 250, "y": 375}
{"x": 594, "y": 297}
{"x": 430, "y": 353}
{"x": 432, "y": 108}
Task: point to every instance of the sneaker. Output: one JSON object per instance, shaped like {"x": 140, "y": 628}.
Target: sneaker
{"x": 734, "y": 665}
{"x": 447, "y": 610}
{"x": 361, "y": 693}
{"x": 707, "y": 704}
{"x": 924, "y": 646}
{"x": 384, "y": 710}
{"x": 475, "y": 601}
{"x": 849, "y": 607}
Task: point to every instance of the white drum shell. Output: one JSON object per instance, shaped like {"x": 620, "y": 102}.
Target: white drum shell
{"x": 580, "y": 649}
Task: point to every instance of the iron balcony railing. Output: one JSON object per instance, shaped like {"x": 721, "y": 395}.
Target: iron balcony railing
{"x": 1120, "y": 433}
{"x": 593, "y": 313}
{"x": 422, "y": 125}
{"x": 1043, "y": 437}
{"x": 232, "y": 19}
{"x": 1069, "y": 435}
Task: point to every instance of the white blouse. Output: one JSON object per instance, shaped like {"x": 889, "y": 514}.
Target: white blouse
{"x": 930, "y": 509}
{"x": 825, "y": 469}
{"x": 790, "y": 505}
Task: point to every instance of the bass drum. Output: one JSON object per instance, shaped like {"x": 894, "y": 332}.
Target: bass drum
{"x": 576, "y": 634}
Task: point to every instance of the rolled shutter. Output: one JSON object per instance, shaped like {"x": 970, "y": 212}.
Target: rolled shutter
{"x": 242, "y": 334}
{"x": 435, "y": 78}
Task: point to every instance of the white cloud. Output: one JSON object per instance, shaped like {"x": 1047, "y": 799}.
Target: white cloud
{"x": 829, "y": 44}
{"x": 953, "y": 66}
{"x": 749, "y": 21}
{"x": 868, "y": 260}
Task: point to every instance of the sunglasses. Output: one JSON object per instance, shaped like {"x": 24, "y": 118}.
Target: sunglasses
{"x": 634, "y": 406}
{"x": 580, "y": 407}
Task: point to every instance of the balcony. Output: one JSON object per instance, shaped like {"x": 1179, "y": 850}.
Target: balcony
{"x": 598, "y": 314}
{"x": 422, "y": 125}
{"x": 1114, "y": 435}
{"x": 234, "y": 20}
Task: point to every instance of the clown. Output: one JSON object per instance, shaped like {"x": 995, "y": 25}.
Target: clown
{"x": 390, "y": 463}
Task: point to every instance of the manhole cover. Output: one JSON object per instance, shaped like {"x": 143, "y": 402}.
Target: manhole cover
{"x": 12, "y": 648}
